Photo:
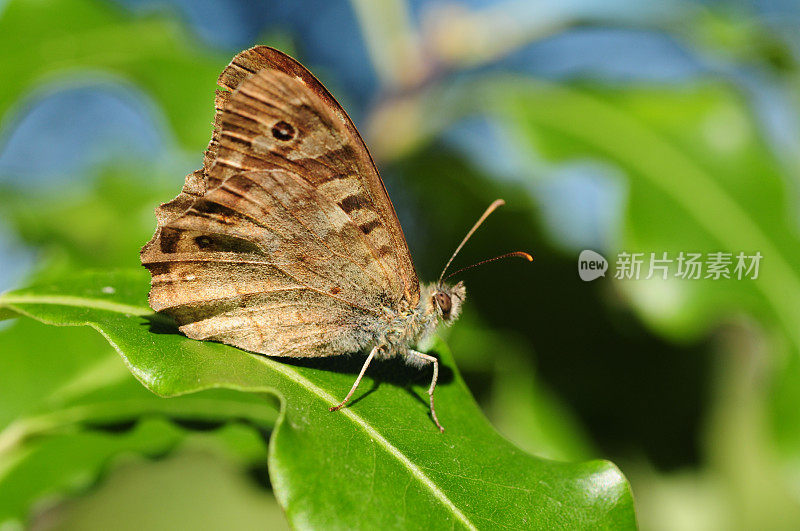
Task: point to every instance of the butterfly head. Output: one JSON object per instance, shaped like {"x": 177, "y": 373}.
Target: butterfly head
{"x": 447, "y": 301}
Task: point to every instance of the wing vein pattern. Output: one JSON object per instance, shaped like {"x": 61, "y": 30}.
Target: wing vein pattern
{"x": 285, "y": 242}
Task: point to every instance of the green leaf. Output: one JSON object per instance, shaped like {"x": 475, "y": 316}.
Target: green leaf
{"x": 380, "y": 461}
{"x": 61, "y": 386}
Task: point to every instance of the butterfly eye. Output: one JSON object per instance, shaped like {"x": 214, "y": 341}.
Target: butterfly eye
{"x": 283, "y": 131}
{"x": 444, "y": 303}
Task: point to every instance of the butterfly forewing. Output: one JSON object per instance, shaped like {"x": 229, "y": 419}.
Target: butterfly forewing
{"x": 286, "y": 242}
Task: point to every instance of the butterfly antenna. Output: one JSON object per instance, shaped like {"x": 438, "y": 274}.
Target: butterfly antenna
{"x": 519, "y": 254}
{"x": 494, "y": 206}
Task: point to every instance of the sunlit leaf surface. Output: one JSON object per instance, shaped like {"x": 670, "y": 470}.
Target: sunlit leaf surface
{"x": 381, "y": 458}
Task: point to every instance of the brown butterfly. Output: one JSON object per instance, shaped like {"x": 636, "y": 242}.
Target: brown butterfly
{"x": 286, "y": 243}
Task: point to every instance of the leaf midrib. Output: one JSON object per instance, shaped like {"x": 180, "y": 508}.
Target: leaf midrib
{"x": 291, "y": 374}
{"x": 323, "y": 395}
{"x": 80, "y": 302}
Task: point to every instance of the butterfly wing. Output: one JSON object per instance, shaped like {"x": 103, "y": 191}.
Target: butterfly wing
{"x": 286, "y": 242}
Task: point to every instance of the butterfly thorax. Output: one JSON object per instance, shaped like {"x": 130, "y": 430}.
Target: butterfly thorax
{"x": 407, "y": 326}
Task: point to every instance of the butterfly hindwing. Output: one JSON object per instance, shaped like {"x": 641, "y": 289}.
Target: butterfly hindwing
{"x": 266, "y": 263}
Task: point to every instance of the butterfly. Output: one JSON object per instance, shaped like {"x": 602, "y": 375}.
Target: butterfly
{"x": 286, "y": 243}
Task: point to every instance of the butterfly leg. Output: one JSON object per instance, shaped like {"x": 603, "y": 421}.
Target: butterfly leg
{"x": 425, "y": 358}
{"x": 358, "y": 380}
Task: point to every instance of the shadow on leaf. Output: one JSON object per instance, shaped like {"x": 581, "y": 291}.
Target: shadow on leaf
{"x": 393, "y": 371}
{"x": 160, "y": 324}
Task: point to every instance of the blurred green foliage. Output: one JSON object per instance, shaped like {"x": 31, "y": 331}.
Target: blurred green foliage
{"x": 691, "y": 387}
{"x": 60, "y": 40}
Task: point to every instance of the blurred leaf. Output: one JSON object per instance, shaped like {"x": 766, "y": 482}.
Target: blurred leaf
{"x": 391, "y": 41}
{"x": 690, "y": 156}
{"x": 68, "y": 462}
{"x": 78, "y": 38}
{"x": 59, "y": 386}
{"x": 120, "y": 217}
{"x": 531, "y": 417}
{"x": 684, "y": 501}
{"x": 519, "y": 405}
{"x": 740, "y": 447}
{"x": 388, "y": 465}
{"x": 195, "y": 488}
